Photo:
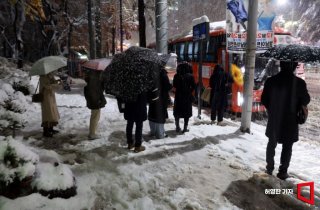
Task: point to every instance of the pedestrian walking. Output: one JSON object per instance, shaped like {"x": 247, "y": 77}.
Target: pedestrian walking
{"x": 49, "y": 110}
{"x": 135, "y": 112}
{"x": 184, "y": 84}
{"x": 282, "y": 96}
{"x": 93, "y": 93}
{"x": 219, "y": 83}
{"x": 158, "y": 104}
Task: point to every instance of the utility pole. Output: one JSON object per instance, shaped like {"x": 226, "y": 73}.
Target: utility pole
{"x": 200, "y": 34}
{"x": 121, "y": 28}
{"x": 249, "y": 66}
{"x": 162, "y": 26}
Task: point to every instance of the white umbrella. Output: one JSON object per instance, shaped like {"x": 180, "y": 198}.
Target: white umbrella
{"x": 47, "y": 64}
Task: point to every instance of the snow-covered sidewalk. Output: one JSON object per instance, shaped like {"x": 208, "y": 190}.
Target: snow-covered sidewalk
{"x": 195, "y": 170}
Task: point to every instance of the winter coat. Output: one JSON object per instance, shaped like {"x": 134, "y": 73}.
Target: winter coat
{"x": 281, "y": 96}
{"x": 158, "y": 104}
{"x": 137, "y": 110}
{"x": 219, "y": 83}
{"x": 48, "y": 86}
{"x": 185, "y": 85}
{"x": 93, "y": 91}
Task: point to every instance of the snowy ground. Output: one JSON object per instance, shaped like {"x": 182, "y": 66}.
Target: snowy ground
{"x": 196, "y": 170}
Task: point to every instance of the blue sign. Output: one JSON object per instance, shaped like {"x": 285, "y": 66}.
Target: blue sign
{"x": 201, "y": 31}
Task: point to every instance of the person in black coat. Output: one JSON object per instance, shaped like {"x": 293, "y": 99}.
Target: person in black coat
{"x": 158, "y": 104}
{"x": 183, "y": 82}
{"x": 219, "y": 82}
{"x": 93, "y": 93}
{"x": 282, "y": 95}
{"x": 135, "y": 112}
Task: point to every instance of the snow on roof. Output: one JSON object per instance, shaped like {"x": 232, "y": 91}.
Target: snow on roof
{"x": 199, "y": 20}
{"x": 217, "y": 25}
{"x": 214, "y": 26}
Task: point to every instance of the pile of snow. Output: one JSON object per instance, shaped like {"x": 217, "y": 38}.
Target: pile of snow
{"x": 14, "y": 85}
{"x": 19, "y": 164}
{"x": 53, "y": 177}
{"x": 17, "y": 161}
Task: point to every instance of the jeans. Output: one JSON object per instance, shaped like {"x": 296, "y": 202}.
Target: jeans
{"x": 138, "y": 133}
{"x": 157, "y": 129}
{"x": 285, "y": 155}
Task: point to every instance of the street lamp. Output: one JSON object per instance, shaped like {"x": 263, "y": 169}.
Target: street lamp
{"x": 281, "y": 2}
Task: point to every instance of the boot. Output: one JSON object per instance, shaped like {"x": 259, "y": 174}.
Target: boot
{"x": 139, "y": 149}
{"x": 185, "y": 129}
{"x": 178, "y": 129}
{"x": 53, "y": 131}
{"x": 47, "y": 132}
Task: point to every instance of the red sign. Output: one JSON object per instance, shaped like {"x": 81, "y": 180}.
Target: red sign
{"x": 300, "y": 197}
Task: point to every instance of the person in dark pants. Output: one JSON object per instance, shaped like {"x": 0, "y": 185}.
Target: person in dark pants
{"x": 282, "y": 95}
{"x": 218, "y": 82}
{"x": 158, "y": 104}
{"x": 184, "y": 84}
{"x": 135, "y": 113}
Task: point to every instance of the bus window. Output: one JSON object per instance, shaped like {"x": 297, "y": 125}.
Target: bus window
{"x": 189, "y": 53}
{"x": 180, "y": 50}
{"x": 196, "y": 51}
{"x": 212, "y": 49}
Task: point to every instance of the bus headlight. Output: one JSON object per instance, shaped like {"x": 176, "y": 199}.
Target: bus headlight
{"x": 240, "y": 99}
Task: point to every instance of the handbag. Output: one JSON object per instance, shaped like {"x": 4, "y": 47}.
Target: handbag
{"x": 302, "y": 114}
{"x": 302, "y": 111}
{"x": 37, "y": 97}
{"x": 206, "y": 94}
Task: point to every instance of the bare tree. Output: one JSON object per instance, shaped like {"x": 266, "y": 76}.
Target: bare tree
{"x": 91, "y": 32}
{"x": 142, "y": 23}
{"x": 98, "y": 28}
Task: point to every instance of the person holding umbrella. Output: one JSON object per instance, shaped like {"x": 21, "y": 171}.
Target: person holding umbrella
{"x": 135, "y": 112}
{"x": 50, "y": 114}
{"x": 184, "y": 84}
{"x": 48, "y": 85}
{"x": 282, "y": 95}
{"x": 129, "y": 77}
{"x": 93, "y": 93}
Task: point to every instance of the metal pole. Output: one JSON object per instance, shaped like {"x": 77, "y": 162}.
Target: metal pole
{"x": 121, "y": 29}
{"x": 200, "y": 78}
{"x": 161, "y": 26}
{"x": 249, "y": 66}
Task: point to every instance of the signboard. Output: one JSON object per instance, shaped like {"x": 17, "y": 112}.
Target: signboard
{"x": 201, "y": 31}
{"x": 237, "y": 20}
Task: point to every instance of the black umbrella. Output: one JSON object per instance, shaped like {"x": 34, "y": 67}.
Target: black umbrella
{"x": 133, "y": 72}
{"x": 299, "y": 53}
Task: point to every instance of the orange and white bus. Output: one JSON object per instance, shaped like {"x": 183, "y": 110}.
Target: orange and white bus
{"x": 215, "y": 53}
